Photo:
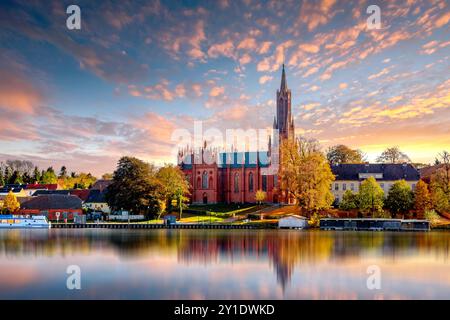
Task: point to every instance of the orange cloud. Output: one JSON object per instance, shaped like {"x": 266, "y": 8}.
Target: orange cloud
{"x": 265, "y": 79}
{"x": 216, "y": 91}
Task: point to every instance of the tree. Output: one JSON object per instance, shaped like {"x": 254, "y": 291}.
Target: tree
{"x": 36, "y": 175}
{"x": 343, "y": 154}
{"x": 7, "y": 174}
{"x": 10, "y": 204}
{"x": 260, "y": 196}
{"x": 306, "y": 175}
{"x": 135, "y": 188}
{"x": 393, "y": 155}
{"x": 422, "y": 199}
{"x": 63, "y": 172}
{"x": 16, "y": 178}
{"x": 400, "y": 198}
{"x": 174, "y": 186}
{"x": 2, "y": 180}
{"x": 49, "y": 176}
{"x": 349, "y": 201}
{"x": 440, "y": 184}
{"x": 370, "y": 197}
{"x": 107, "y": 176}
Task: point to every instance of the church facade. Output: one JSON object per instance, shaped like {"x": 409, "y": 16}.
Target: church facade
{"x": 235, "y": 177}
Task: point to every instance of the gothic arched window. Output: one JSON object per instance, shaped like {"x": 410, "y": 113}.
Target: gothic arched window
{"x": 250, "y": 181}
{"x": 264, "y": 183}
{"x": 199, "y": 182}
{"x": 236, "y": 183}
{"x": 205, "y": 180}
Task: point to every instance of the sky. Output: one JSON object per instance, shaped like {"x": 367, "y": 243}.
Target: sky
{"x": 137, "y": 71}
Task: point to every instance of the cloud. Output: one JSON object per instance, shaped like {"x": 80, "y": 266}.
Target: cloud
{"x": 225, "y": 49}
{"x": 315, "y": 13}
{"x": 246, "y": 58}
{"x": 265, "y": 47}
{"x": 217, "y": 91}
{"x": 379, "y": 74}
{"x": 248, "y": 44}
{"x": 265, "y": 79}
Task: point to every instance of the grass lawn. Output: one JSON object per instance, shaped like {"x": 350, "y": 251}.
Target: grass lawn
{"x": 220, "y": 207}
{"x": 201, "y": 219}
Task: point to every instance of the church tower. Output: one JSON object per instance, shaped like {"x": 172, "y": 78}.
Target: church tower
{"x": 284, "y": 122}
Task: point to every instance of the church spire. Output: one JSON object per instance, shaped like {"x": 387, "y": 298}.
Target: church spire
{"x": 283, "y": 86}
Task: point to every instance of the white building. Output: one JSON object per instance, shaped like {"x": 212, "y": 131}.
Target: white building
{"x": 349, "y": 176}
{"x": 293, "y": 222}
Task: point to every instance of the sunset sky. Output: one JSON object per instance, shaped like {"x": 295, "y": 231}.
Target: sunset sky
{"x": 136, "y": 71}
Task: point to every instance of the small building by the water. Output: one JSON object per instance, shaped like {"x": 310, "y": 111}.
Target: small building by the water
{"x": 170, "y": 219}
{"x": 293, "y": 222}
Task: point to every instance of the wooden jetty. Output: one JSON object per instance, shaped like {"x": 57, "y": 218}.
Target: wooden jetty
{"x": 369, "y": 224}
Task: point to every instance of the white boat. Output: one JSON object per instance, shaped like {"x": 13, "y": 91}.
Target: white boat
{"x": 24, "y": 222}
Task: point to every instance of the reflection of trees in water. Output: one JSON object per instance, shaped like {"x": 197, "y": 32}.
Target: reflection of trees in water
{"x": 285, "y": 250}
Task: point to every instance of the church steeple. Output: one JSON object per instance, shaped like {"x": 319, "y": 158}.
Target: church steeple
{"x": 284, "y": 121}
{"x": 283, "y": 86}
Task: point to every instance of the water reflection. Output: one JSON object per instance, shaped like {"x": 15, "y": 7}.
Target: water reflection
{"x": 191, "y": 263}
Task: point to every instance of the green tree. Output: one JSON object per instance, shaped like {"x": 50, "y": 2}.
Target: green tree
{"x": 7, "y": 174}
{"x": 135, "y": 188}
{"x": 16, "y": 178}
{"x": 400, "y": 198}
{"x": 306, "y": 174}
{"x": 342, "y": 154}
{"x": 63, "y": 172}
{"x": 393, "y": 155}
{"x": 370, "y": 197}
{"x": 174, "y": 186}
{"x": 10, "y": 204}
{"x": 2, "y": 178}
{"x": 349, "y": 201}
{"x": 422, "y": 198}
{"x": 36, "y": 175}
{"x": 49, "y": 176}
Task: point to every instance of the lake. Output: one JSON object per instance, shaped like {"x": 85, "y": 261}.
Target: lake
{"x": 224, "y": 264}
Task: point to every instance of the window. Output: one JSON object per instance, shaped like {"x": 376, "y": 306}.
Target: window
{"x": 382, "y": 185}
{"x": 352, "y": 186}
{"x": 264, "y": 183}
{"x": 250, "y": 181}
{"x": 413, "y": 186}
{"x": 236, "y": 183}
{"x": 275, "y": 181}
{"x": 336, "y": 186}
{"x": 344, "y": 186}
{"x": 205, "y": 180}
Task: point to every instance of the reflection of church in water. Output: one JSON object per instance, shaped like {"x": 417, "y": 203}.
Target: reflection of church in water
{"x": 216, "y": 250}
{"x": 234, "y": 177}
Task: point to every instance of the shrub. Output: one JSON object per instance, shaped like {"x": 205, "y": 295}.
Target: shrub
{"x": 432, "y": 216}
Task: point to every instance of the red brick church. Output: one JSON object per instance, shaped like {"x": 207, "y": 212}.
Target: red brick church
{"x": 234, "y": 177}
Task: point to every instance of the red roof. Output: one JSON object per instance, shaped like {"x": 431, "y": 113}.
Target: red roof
{"x": 83, "y": 194}
{"x": 42, "y": 186}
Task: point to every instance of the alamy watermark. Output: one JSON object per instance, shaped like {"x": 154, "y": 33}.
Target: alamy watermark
{"x": 73, "y": 21}
{"x": 373, "y": 281}
{"x": 210, "y": 147}
{"x": 73, "y": 281}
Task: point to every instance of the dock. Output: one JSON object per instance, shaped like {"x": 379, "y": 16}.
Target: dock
{"x": 149, "y": 226}
{"x": 372, "y": 224}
